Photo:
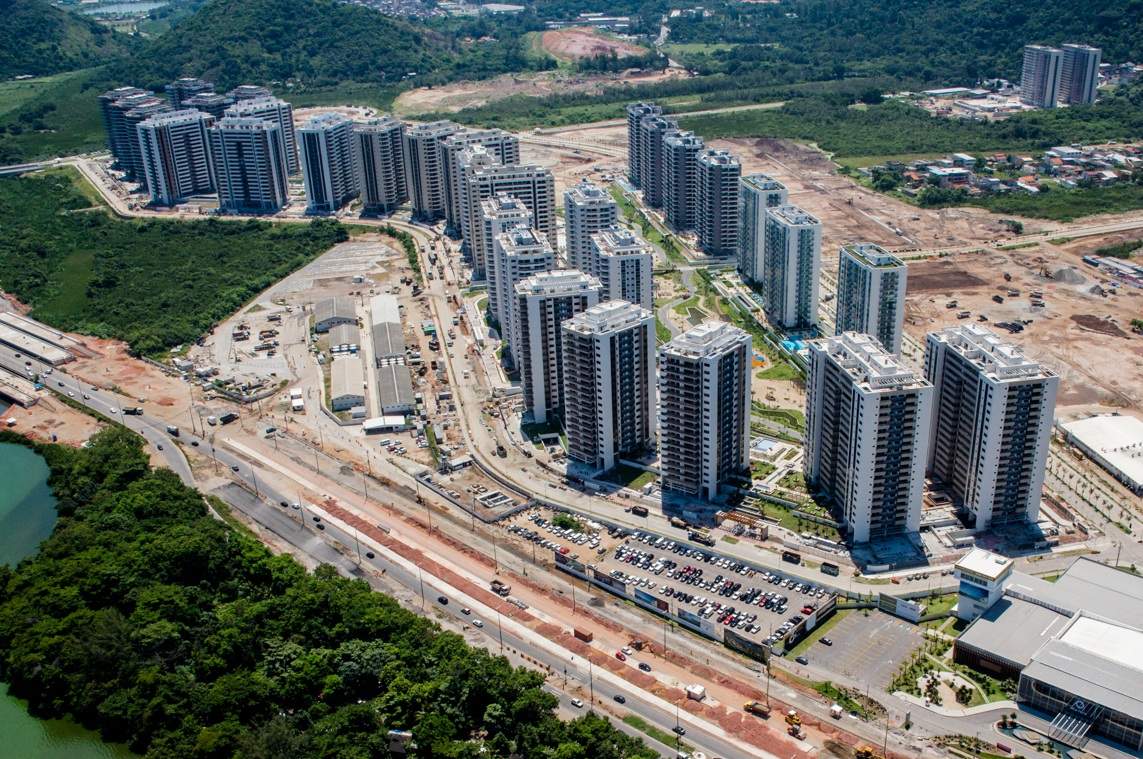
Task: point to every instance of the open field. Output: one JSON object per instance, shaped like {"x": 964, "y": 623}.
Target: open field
{"x": 470, "y": 94}
{"x": 850, "y": 212}
{"x": 1080, "y": 334}
{"x": 15, "y": 93}
{"x": 585, "y": 42}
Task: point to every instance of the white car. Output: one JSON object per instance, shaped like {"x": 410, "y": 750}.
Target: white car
{"x": 477, "y": 623}
{"x": 577, "y": 703}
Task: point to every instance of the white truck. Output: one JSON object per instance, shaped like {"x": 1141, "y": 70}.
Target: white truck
{"x": 696, "y": 692}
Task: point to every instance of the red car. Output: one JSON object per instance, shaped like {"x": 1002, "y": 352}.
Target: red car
{"x": 620, "y": 656}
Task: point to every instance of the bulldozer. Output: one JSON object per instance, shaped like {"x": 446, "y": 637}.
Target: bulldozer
{"x": 792, "y": 718}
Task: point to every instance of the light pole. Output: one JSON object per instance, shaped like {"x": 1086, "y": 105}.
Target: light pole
{"x": 421, "y": 579}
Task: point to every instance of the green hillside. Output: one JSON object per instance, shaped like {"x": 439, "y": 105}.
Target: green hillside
{"x": 317, "y": 43}
{"x": 930, "y": 40}
{"x": 38, "y": 38}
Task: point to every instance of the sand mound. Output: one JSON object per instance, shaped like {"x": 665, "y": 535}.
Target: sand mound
{"x": 1069, "y": 276}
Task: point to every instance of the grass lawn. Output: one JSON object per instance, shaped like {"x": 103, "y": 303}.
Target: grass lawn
{"x": 345, "y": 93}
{"x": 15, "y": 93}
{"x": 662, "y": 334}
{"x": 939, "y": 604}
{"x": 668, "y": 245}
{"x": 662, "y": 736}
{"x": 682, "y": 48}
{"x": 1066, "y": 205}
{"x": 791, "y": 418}
{"x": 760, "y": 470}
{"x": 819, "y": 632}
{"x": 628, "y": 476}
{"x": 58, "y": 116}
{"x": 780, "y": 371}
{"x": 683, "y": 307}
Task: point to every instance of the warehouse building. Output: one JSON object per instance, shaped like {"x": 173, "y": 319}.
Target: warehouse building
{"x": 346, "y": 383}
{"x": 385, "y": 329}
{"x": 1074, "y": 644}
{"x": 395, "y": 387}
{"x": 344, "y": 338}
{"x": 331, "y": 312}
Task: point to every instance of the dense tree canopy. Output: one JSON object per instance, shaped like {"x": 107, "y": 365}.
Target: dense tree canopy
{"x": 153, "y": 283}
{"x": 38, "y": 38}
{"x": 955, "y": 41}
{"x": 145, "y": 618}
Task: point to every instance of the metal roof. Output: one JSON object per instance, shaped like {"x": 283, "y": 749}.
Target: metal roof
{"x": 346, "y": 378}
{"x": 1013, "y": 629}
{"x": 1096, "y": 660}
{"x": 396, "y": 388}
{"x": 341, "y": 307}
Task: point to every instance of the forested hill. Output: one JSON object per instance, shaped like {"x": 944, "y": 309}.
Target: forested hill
{"x": 929, "y": 40}
{"x": 316, "y": 42}
{"x": 38, "y": 38}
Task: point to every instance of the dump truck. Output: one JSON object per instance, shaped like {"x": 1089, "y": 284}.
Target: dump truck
{"x": 678, "y": 522}
{"x": 585, "y": 635}
{"x": 500, "y": 588}
{"x": 757, "y": 708}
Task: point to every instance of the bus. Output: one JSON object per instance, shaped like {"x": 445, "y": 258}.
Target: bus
{"x": 830, "y": 569}
{"x": 792, "y": 557}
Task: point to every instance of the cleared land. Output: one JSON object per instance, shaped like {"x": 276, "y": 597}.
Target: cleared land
{"x": 585, "y": 42}
{"x": 457, "y": 96}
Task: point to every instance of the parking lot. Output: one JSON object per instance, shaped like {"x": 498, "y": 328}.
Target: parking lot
{"x": 712, "y": 593}
{"x": 867, "y": 647}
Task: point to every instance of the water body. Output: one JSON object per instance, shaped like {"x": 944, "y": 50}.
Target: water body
{"x": 114, "y": 9}
{"x": 27, "y": 516}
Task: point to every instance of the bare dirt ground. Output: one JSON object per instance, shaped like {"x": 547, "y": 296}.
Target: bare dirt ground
{"x": 586, "y": 42}
{"x": 459, "y": 95}
{"x": 114, "y": 369}
{"x": 570, "y": 165}
{"x": 1084, "y": 336}
{"x": 52, "y": 417}
{"x": 852, "y": 213}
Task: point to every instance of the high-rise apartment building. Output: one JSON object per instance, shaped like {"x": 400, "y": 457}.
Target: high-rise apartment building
{"x": 500, "y": 214}
{"x": 533, "y": 185}
{"x": 624, "y": 264}
{"x": 180, "y": 90}
{"x": 717, "y": 216}
{"x": 276, "y": 110}
{"x": 704, "y": 409}
{"x": 1079, "y": 74}
{"x": 543, "y": 303}
{"x": 867, "y": 435}
{"x": 380, "y": 149}
{"x": 791, "y": 267}
{"x": 249, "y": 165}
{"x": 588, "y": 209}
{"x": 249, "y": 92}
{"x": 756, "y": 194}
{"x": 123, "y": 110}
{"x": 175, "y": 151}
{"x": 871, "y": 294}
{"x": 330, "y": 164}
{"x": 635, "y": 114}
{"x": 609, "y": 383}
{"x": 209, "y": 102}
{"x": 991, "y": 426}
{"x": 518, "y": 253}
{"x": 1040, "y": 76}
{"x": 651, "y": 131}
{"x": 424, "y": 173}
{"x": 680, "y": 178}
{"x": 502, "y": 146}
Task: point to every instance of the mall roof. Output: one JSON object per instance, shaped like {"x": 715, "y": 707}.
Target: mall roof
{"x": 1096, "y": 660}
